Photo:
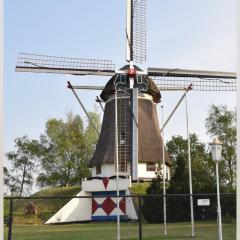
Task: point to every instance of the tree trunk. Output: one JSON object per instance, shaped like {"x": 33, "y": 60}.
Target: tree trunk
{"x": 23, "y": 179}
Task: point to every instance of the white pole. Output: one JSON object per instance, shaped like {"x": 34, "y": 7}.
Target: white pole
{"x": 164, "y": 178}
{"x": 190, "y": 171}
{"x": 117, "y": 167}
{"x": 219, "y": 206}
{"x": 174, "y": 110}
{"x": 238, "y": 126}
{"x": 1, "y": 111}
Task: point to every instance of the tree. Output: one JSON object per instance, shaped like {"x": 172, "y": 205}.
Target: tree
{"x": 202, "y": 178}
{"x": 221, "y": 123}
{"x": 65, "y": 149}
{"x": 19, "y": 178}
{"x": 11, "y": 182}
{"x": 202, "y": 167}
{"x": 151, "y": 208}
{"x": 177, "y": 150}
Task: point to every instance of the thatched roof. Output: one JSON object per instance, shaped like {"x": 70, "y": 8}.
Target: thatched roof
{"x": 149, "y": 138}
{"x": 31, "y": 205}
{"x": 152, "y": 89}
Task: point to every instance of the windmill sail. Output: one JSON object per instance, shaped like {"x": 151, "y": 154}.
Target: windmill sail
{"x": 136, "y": 30}
{"x": 51, "y": 64}
{"x": 139, "y": 31}
{"x": 178, "y": 79}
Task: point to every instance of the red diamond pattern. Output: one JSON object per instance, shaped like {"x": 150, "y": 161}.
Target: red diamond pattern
{"x": 122, "y": 205}
{"x": 94, "y": 206}
{"x": 108, "y": 205}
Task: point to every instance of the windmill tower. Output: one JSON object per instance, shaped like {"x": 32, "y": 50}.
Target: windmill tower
{"x": 139, "y": 139}
{"x": 134, "y": 93}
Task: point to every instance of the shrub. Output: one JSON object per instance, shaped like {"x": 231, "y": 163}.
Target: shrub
{"x": 152, "y": 205}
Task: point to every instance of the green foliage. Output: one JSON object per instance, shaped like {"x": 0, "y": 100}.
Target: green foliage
{"x": 221, "y": 123}
{"x": 46, "y": 207}
{"x": 156, "y": 183}
{"x": 139, "y": 188}
{"x": 19, "y": 178}
{"x": 65, "y": 149}
{"x": 11, "y": 182}
{"x": 177, "y": 149}
{"x": 151, "y": 209}
{"x": 202, "y": 178}
{"x": 58, "y": 192}
{"x": 59, "y": 157}
{"x": 202, "y": 166}
{"x": 203, "y": 181}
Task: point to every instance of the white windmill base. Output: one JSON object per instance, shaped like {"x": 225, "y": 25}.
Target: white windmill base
{"x": 96, "y": 202}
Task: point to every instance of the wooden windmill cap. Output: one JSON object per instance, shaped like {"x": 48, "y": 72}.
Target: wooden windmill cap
{"x": 153, "y": 90}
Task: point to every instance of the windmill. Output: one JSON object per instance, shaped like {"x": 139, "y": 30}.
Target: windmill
{"x": 138, "y": 130}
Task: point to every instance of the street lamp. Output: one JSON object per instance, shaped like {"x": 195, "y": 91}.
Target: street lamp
{"x": 216, "y": 148}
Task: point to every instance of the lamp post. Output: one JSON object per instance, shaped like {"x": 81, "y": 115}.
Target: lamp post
{"x": 216, "y": 148}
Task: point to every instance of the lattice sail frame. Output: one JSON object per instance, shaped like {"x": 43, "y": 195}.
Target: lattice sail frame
{"x": 180, "y": 79}
{"x": 139, "y": 30}
{"x": 44, "y": 63}
{"x": 198, "y": 84}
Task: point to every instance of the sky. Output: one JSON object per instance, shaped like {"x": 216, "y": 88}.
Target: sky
{"x": 180, "y": 34}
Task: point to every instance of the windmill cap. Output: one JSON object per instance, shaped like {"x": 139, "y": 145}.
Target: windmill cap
{"x": 153, "y": 90}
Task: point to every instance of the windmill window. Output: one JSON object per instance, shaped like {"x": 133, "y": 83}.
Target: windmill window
{"x": 151, "y": 167}
{"x": 122, "y": 138}
{"x": 98, "y": 169}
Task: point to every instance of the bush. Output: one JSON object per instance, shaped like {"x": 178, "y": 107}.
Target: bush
{"x": 152, "y": 209}
{"x": 178, "y": 206}
{"x": 152, "y": 205}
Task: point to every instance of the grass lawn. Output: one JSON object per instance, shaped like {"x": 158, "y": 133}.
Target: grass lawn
{"x": 129, "y": 231}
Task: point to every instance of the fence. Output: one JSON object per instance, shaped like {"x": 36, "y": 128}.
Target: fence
{"x": 94, "y": 217}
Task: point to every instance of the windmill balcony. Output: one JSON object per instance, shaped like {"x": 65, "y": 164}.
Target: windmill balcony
{"x": 146, "y": 171}
{"x": 106, "y": 184}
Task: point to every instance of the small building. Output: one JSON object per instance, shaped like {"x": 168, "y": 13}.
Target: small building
{"x": 30, "y": 209}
